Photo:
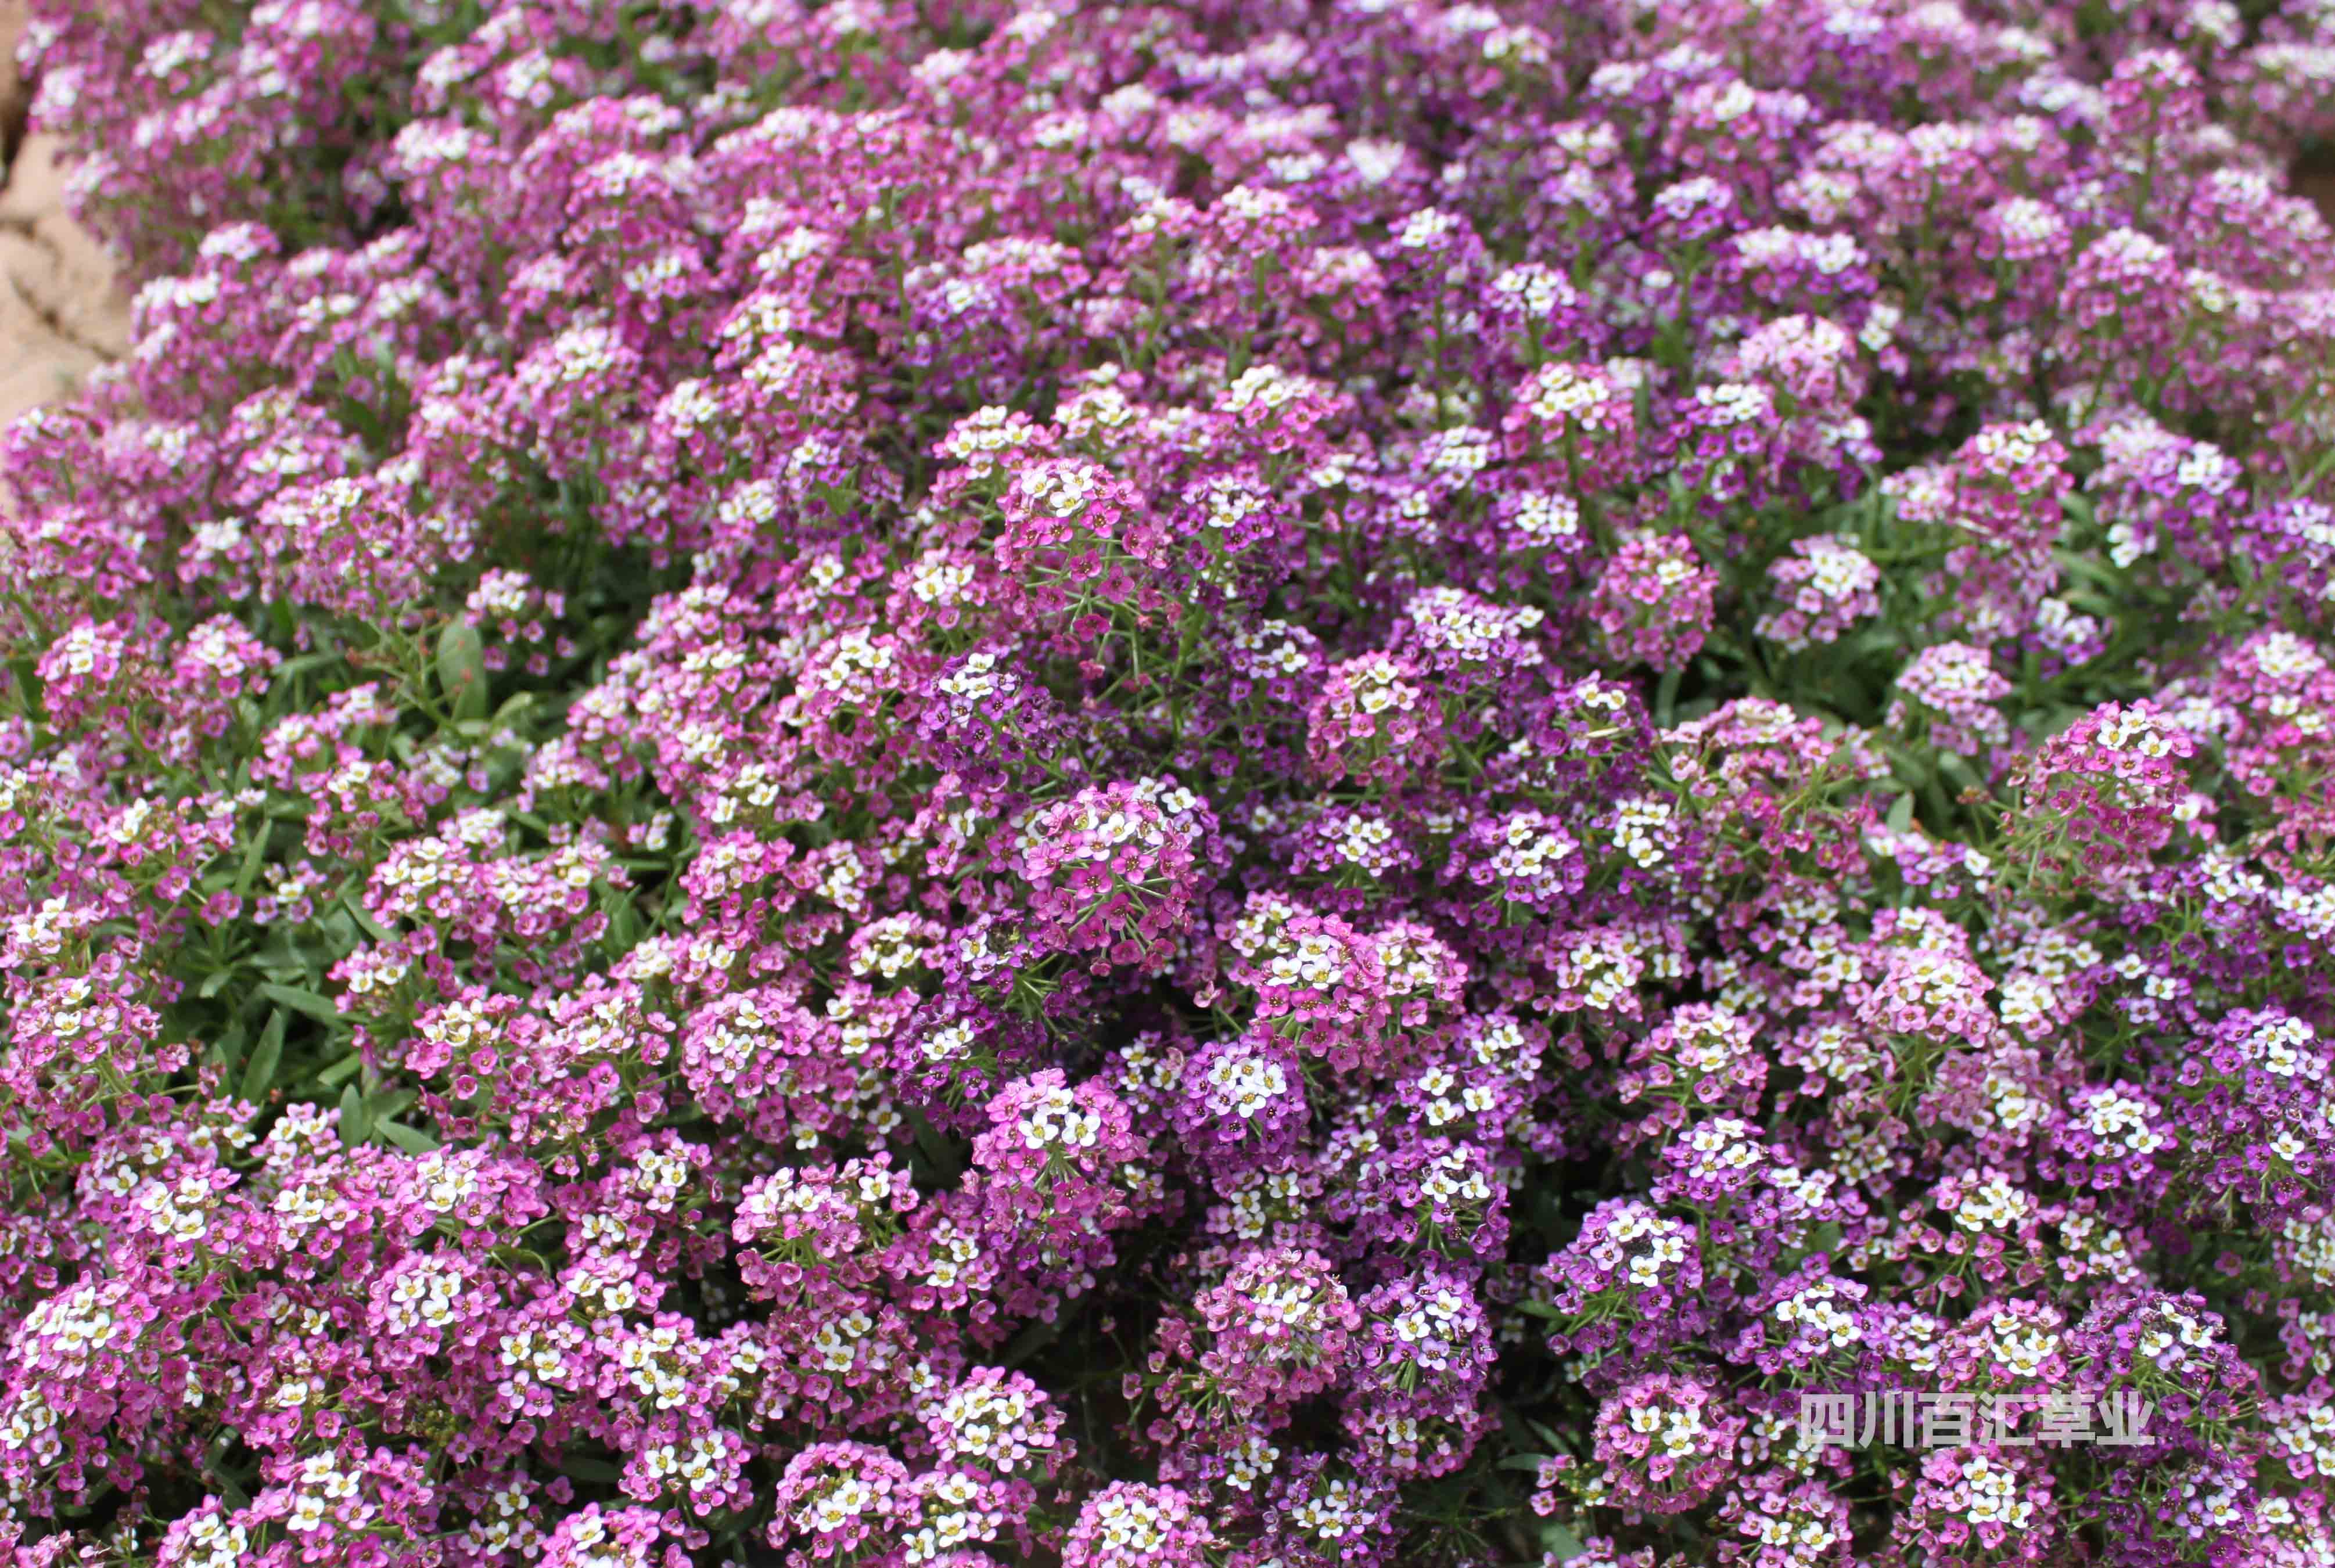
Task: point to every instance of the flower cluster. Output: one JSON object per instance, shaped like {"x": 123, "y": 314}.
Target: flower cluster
{"x": 1259, "y": 785}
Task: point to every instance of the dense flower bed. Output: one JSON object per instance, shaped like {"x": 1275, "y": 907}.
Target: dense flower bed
{"x": 1250, "y": 784}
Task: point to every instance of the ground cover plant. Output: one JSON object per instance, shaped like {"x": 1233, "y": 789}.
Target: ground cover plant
{"x": 1256, "y": 785}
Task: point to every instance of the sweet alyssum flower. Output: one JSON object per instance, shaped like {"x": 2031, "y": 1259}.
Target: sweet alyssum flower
{"x": 1262, "y": 786}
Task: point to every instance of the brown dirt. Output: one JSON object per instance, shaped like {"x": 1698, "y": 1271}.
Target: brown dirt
{"x": 62, "y": 310}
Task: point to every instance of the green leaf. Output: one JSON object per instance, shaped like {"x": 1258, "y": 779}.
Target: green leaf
{"x": 463, "y": 670}
{"x": 372, "y": 928}
{"x": 259, "y": 1076}
{"x": 28, "y": 673}
{"x": 2091, "y": 570}
{"x": 583, "y": 1469}
{"x": 1900, "y": 814}
{"x": 386, "y": 1103}
{"x": 301, "y": 664}
{"x": 307, "y": 1003}
{"x": 228, "y": 1048}
{"x": 356, "y": 1126}
{"x": 1031, "y": 1340}
{"x": 1666, "y": 698}
{"x": 342, "y": 1071}
{"x": 412, "y": 1140}
{"x": 252, "y": 853}
{"x": 934, "y": 1147}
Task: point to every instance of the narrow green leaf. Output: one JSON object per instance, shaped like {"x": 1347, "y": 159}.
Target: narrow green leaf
{"x": 29, "y": 685}
{"x": 372, "y": 928}
{"x": 259, "y": 1076}
{"x": 412, "y": 1140}
{"x": 1032, "y": 1340}
{"x": 1900, "y": 814}
{"x": 2085, "y": 566}
{"x": 228, "y": 1048}
{"x": 934, "y": 1147}
{"x": 253, "y": 854}
{"x": 1666, "y": 698}
{"x": 1561, "y": 1542}
{"x": 301, "y": 664}
{"x": 305, "y": 1002}
{"x": 463, "y": 670}
{"x": 357, "y": 1128}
